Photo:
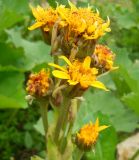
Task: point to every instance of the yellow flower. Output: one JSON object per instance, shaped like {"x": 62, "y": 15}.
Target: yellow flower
{"x": 104, "y": 57}
{"x": 38, "y": 83}
{"x": 84, "y": 22}
{"x": 88, "y": 135}
{"x": 45, "y": 18}
{"x": 78, "y": 73}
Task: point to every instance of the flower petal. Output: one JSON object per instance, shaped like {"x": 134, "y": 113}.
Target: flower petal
{"x": 58, "y": 67}
{"x": 66, "y": 60}
{"x": 60, "y": 74}
{"x": 72, "y": 82}
{"x": 94, "y": 71}
{"x": 100, "y": 85}
{"x": 73, "y": 7}
{"x": 86, "y": 63}
{"x": 97, "y": 122}
{"x": 102, "y": 128}
{"x": 36, "y": 25}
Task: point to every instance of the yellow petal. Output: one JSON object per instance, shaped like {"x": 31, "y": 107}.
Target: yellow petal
{"x": 86, "y": 63}
{"x": 102, "y": 128}
{"x": 62, "y": 11}
{"x": 82, "y": 27}
{"x": 94, "y": 71}
{"x": 97, "y": 122}
{"x": 91, "y": 29}
{"x": 57, "y": 66}
{"x": 36, "y": 25}
{"x": 114, "y": 68}
{"x": 66, "y": 60}
{"x": 37, "y": 11}
{"x": 46, "y": 29}
{"x": 72, "y": 82}
{"x": 106, "y": 25}
{"x": 73, "y": 7}
{"x": 60, "y": 74}
{"x": 100, "y": 85}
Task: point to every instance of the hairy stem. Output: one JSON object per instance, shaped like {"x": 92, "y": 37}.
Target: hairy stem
{"x": 64, "y": 108}
{"x": 78, "y": 154}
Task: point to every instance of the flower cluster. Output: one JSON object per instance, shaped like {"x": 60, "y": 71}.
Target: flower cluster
{"x": 82, "y": 21}
{"x": 73, "y": 33}
{"x": 88, "y": 135}
{"x": 38, "y": 83}
{"x": 74, "y": 27}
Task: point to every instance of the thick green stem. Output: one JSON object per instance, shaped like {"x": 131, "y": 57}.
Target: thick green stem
{"x": 78, "y": 154}
{"x": 68, "y": 124}
{"x": 64, "y": 109}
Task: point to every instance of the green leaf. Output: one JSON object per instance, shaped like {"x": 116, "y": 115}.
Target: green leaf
{"x": 121, "y": 117}
{"x": 11, "y": 57}
{"x": 124, "y": 21}
{"x": 28, "y": 140}
{"x": 126, "y": 80}
{"x": 16, "y": 5}
{"x": 9, "y": 18}
{"x": 39, "y": 127}
{"x": 35, "y": 52}
{"x": 36, "y": 158}
{"x": 12, "y": 94}
{"x": 132, "y": 100}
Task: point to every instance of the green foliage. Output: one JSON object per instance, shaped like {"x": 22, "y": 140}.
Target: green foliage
{"x": 21, "y": 53}
{"x": 111, "y": 106}
{"x": 12, "y": 94}
{"x": 35, "y": 52}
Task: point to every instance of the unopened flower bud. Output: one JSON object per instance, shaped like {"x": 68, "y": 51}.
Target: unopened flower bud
{"x": 38, "y": 84}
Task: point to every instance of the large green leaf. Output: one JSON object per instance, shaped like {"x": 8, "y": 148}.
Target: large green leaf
{"x": 132, "y": 100}
{"x": 122, "y": 118}
{"x": 35, "y": 52}
{"x": 126, "y": 80}
{"x": 11, "y": 57}
{"x": 17, "y": 6}
{"x": 8, "y": 18}
{"x": 12, "y": 94}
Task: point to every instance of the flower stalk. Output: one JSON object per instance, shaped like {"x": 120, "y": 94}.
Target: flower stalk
{"x": 73, "y": 34}
{"x": 64, "y": 108}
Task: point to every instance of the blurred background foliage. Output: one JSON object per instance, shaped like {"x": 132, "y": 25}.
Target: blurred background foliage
{"x": 22, "y": 51}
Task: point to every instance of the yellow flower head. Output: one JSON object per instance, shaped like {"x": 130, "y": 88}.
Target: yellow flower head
{"x": 84, "y": 22}
{"x": 104, "y": 57}
{"x": 45, "y": 18}
{"x": 78, "y": 73}
{"x": 88, "y": 135}
{"x": 38, "y": 83}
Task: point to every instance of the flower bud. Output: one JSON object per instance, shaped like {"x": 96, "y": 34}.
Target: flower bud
{"x": 103, "y": 58}
{"x": 87, "y": 136}
{"x": 38, "y": 84}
